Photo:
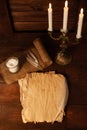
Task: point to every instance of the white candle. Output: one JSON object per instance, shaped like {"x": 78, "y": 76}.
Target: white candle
{"x": 65, "y": 16}
{"x": 50, "y": 18}
{"x": 80, "y": 22}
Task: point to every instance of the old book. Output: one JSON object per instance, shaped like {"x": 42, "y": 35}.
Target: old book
{"x": 29, "y": 65}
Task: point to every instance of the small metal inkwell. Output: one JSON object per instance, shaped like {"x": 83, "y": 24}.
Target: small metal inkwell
{"x": 12, "y": 64}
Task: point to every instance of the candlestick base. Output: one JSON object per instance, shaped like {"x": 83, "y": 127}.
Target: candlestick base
{"x": 63, "y": 58}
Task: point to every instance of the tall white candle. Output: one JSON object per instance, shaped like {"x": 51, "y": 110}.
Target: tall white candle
{"x": 80, "y": 22}
{"x": 65, "y": 16}
{"x": 50, "y": 28}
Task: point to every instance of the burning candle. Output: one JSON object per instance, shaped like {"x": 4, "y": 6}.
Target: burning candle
{"x": 12, "y": 64}
{"x": 50, "y": 18}
{"x": 80, "y": 22}
{"x": 65, "y": 17}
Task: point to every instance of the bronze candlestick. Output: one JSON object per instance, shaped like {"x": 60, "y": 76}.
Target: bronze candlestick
{"x": 64, "y": 56}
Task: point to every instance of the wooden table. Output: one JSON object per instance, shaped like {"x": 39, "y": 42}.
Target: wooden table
{"x": 76, "y": 74}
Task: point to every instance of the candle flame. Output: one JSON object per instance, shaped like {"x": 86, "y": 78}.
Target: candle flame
{"x": 50, "y": 5}
{"x": 81, "y": 11}
{"x": 66, "y": 3}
